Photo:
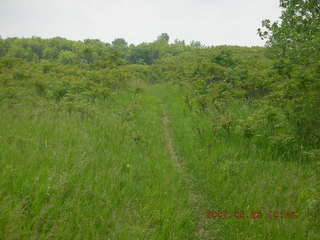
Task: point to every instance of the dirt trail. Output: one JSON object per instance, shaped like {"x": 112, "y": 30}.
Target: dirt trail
{"x": 194, "y": 197}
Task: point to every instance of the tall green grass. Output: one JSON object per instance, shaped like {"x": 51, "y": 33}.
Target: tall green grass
{"x": 102, "y": 171}
{"x": 235, "y": 174}
{"x": 105, "y": 175}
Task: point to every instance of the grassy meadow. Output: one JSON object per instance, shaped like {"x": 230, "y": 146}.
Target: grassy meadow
{"x": 163, "y": 140}
{"x": 107, "y": 174}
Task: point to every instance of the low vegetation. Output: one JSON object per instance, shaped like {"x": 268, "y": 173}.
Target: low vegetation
{"x": 85, "y": 152}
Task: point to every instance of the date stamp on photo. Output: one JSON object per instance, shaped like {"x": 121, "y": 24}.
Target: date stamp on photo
{"x": 256, "y": 214}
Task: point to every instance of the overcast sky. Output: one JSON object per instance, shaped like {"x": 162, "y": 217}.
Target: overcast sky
{"x": 213, "y": 22}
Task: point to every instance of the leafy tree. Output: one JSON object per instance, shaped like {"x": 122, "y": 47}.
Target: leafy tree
{"x": 179, "y": 42}
{"x": 144, "y": 53}
{"x": 164, "y": 37}
{"x": 68, "y": 57}
{"x": 3, "y": 47}
{"x": 195, "y": 44}
{"x": 294, "y": 45}
{"x": 119, "y": 43}
{"x": 88, "y": 55}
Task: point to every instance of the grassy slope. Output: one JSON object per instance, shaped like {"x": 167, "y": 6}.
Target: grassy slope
{"x": 104, "y": 177}
{"x": 234, "y": 175}
{"x": 109, "y": 175}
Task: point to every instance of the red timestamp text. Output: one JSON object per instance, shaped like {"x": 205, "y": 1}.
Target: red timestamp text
{"x": 255, "y": 214}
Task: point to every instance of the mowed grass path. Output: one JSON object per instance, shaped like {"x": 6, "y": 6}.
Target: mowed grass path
{"x": 111, "y": 175}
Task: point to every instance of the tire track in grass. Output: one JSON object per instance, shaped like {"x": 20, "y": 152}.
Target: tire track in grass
{"x": 195, "y": 197}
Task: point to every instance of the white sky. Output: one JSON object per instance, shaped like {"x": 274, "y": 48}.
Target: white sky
{"x": 213, "y": 22}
